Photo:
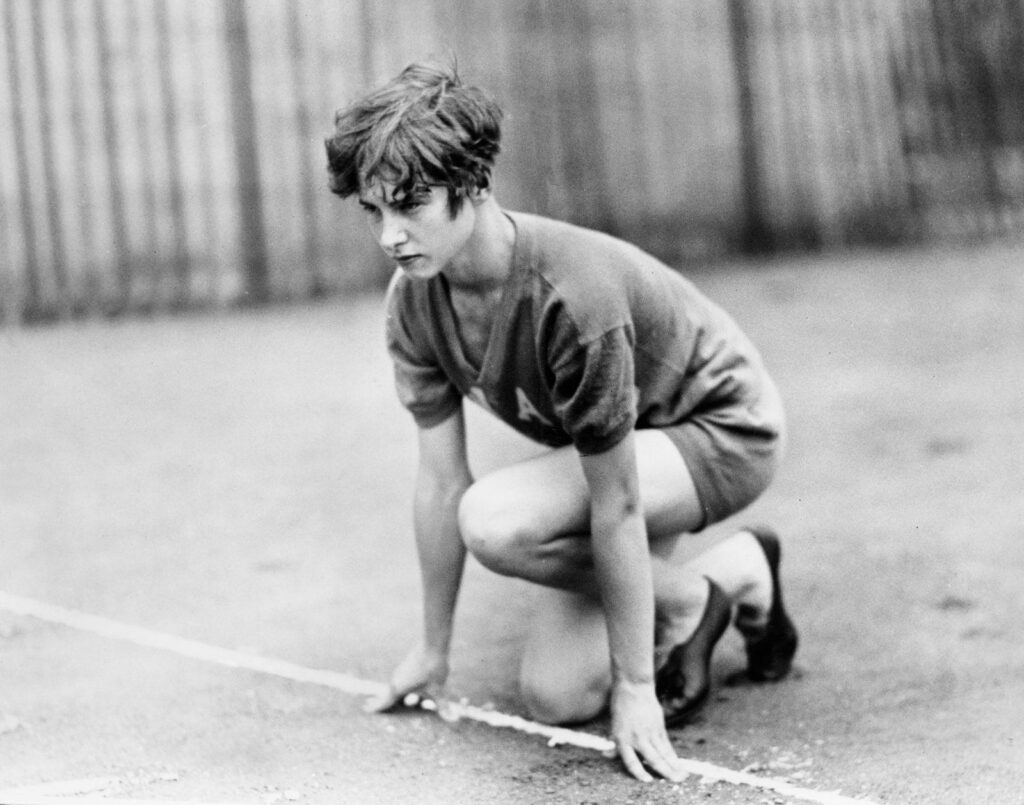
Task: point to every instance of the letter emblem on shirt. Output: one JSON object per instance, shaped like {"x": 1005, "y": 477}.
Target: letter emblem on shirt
{"x": 527, "y": 410}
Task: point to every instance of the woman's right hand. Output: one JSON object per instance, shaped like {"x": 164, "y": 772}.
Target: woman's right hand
{"x": 422, "y": 672}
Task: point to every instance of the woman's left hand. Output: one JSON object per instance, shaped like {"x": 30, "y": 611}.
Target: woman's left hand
{"x": 638, "y": 729}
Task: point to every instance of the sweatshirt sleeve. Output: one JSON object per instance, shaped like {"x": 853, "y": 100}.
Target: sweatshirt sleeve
{"x": 594, "y": 393}
{"x": 422, "y": 385}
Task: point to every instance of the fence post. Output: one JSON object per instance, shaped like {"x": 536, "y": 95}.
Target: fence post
{"x": 114, "y": 149}
{"x": 172, "y": 142}
{"x": 55, "y": 213}
{"x": 243, "y": 130}
{"x": 314, "y": 282}
{"x": 756, "y": 236}
{"x": 33, "y": 298}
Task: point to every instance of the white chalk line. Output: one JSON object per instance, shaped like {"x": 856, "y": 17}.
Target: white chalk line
{"x": 17, "y": 798}
{"x": 205, "y": 652}
{"x": 93, "y": 789}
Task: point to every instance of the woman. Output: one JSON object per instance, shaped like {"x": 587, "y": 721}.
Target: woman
{"x": 659, "y": 412}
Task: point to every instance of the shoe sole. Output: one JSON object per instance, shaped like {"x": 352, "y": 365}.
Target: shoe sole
{"x": 671, "y": 678}
{"x": 770, "y": 657}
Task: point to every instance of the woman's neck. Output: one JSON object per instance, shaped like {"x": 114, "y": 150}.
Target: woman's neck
{"x": 486, "y": 262}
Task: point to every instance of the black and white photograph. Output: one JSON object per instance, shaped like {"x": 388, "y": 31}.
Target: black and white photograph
{"x": 530, "y": 402}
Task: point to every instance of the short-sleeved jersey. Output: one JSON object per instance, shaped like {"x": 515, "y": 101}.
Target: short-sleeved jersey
{"x": 592, "y": 338}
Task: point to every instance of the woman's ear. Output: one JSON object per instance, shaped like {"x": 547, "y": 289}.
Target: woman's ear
{"x": 482, "y": 191}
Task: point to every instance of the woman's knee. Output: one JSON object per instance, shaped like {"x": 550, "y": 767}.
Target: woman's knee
{"x": 491, "y": 529}
{"x": 562, "y": 701}
{"x": 565, "y": 674}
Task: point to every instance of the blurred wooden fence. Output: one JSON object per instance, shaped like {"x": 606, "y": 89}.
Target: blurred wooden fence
{"x": 162, "y": 154}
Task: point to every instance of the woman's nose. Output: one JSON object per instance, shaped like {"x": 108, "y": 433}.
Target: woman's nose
{"x": 392, "y": 232}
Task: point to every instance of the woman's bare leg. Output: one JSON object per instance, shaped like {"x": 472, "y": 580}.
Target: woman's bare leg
{"x": 531, "y": 520}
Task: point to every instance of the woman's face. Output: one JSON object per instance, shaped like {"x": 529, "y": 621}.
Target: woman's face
{"x": 417, "y": 230}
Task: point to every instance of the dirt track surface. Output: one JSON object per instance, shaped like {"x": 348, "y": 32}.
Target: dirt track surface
{"x": 243, "y": 480}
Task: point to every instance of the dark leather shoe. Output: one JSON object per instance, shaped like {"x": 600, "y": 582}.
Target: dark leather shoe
{"x": 770, "y": 651}
{"x": 684, "y": 681}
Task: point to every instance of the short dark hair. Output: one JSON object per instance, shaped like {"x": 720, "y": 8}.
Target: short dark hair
{"x": 424, "y": 127}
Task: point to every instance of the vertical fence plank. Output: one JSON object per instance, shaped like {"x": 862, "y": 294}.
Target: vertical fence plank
{"x": 851, "y": 107}
{"x": 302, "y": 79}
{"x": 1012, "y": 158}
{"x": 51, "y": 189}
{"x": 978, "y": 44}
{"x": 522, "y": 150}
{"x": 755, "y": 237}
{"x": 114, "y": 149}
{"x": 840, "y": 167}
{"x": 82, "y": 149}
{"x": 647, "y": 22}
{"x": 1013, "y": 112}
{"x": 613, "y": 145}
{"x": 144, "y": 166}
{"x": 367, "y": 42}
{"x": 69, "y": 149}
{"x": 824, "y": 219}
{"x": 10, "y": 296}
{"x": 34, "y": 302}
{"x": 227, "y": 270}
{"x": 263, "y": 36}
{"x": 253, "y": 245}
{"x": 957, "y": 111}
{"x": 796, "y": 206}
{"x": 12, "y": 279}
{"x": 353, "y": 259}
{"x": 102, "y": 263}
{"x": 918, "y": 140}
{"x": 199, "y": 230}
{"x": 711, "y": 87}
{"x": 576, "y": 96}
{"x": 768, "y": 85}
{"x": 534, "y": 113}
{"x": 171, "y": 142}
{"x": 879, "y": 173}
{"x": 62, "y": 180}
{"x": 284, "y": 151}
{"x": 875, "y": 37}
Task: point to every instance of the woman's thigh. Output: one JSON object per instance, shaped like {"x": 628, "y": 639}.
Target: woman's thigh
{"x": 547, "y": 496}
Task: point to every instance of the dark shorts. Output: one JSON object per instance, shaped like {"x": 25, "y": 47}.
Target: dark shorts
{"x": 732, "y": 453}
